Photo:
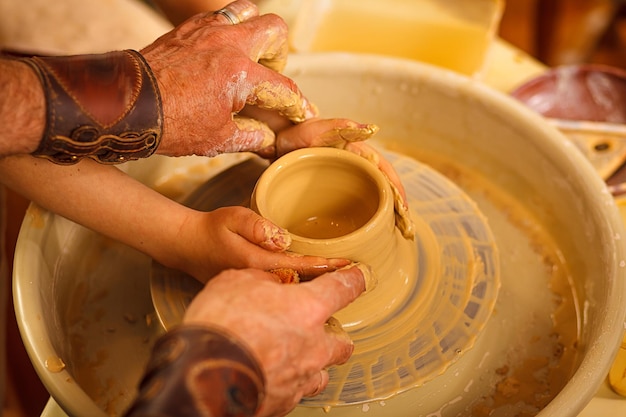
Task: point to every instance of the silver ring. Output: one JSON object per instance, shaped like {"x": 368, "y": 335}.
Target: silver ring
{"x": 232, "y": 17}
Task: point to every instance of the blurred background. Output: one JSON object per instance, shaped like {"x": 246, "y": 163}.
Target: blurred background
{"x": 559, "y": 32}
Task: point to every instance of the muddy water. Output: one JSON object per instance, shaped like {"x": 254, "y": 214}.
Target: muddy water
{"x": 326, "y": 226}
{"x": 537, "y": 314}
{"x": 108, "y": 321}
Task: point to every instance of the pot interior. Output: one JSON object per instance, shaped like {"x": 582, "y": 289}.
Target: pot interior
{"x": 85, "y": 300}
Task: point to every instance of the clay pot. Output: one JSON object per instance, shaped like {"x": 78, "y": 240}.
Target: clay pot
{"x": 336, "y": 204}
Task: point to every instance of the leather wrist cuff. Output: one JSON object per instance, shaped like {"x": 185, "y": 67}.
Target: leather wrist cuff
{"x": 198, "y": 371}
{"x": 106, "y": 107}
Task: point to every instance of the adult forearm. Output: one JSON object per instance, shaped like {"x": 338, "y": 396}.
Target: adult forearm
{"x": 22, "y": 108}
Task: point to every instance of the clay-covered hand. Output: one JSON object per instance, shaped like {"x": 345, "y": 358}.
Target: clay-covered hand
{"x": 237, "y": 237}
{"x": 208, "y": 69}
{"x": 283, "y": 325}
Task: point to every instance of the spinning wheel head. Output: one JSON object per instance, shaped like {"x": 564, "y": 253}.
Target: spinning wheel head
{"x": 433, "y": 297}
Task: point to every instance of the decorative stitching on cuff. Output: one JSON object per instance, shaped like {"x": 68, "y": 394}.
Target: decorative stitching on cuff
{"x": 106, "y": 107}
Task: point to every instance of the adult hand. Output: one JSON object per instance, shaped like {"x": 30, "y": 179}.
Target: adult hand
{"x": 209, "y": 69}
{"x": 246, "y": 100}
{"x": 283, "y": 325}
{"x": 237, "y": 237}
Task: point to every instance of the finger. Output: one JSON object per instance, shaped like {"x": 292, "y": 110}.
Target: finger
{"x": 336, "y": 289}
{"x": 251, "y": 135}
{"x": 234, "y": 13}
{"x": 260, "y": 231}
{"x": 275, "y": 121}
{"x": 273, "y": 91}
{"x": 266, "y": 236}
{"x": 323, "y": 132}
{"x": 286, "y": 275}
{"x": 264, "y": 40}
{"x": 266, "y": 35}
{"x": 316, "y": 384}
{"x": 271, "y": 46}
{"x": 341, "y": 344}
{"x": 307, "y": 267}
{"x": 265, "y": 245}
{"x": 243, "y": 134}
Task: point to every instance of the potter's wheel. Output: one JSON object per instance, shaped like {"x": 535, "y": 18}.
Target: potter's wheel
{"x": 440, "y": 305}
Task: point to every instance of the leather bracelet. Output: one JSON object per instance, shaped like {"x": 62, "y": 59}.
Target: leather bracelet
{"x": 106, "y": 107}
{"x": 199, "y": 371}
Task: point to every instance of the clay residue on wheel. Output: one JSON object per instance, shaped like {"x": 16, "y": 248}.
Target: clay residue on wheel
{"x": 545, "y": 353}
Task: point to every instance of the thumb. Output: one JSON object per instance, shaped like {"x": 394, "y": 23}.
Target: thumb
{"x": 338, "y": 289}
{"x": 251, "y": 135}
{"x": 258, "y": 230}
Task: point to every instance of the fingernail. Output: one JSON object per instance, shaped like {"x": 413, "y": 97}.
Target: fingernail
{"x": 370, "y": 278}
{"x": 306, "y": 111}
{"x": 277, "y": 238}
{"x": 334, "y": 326}
{"x": 358, "y": 132}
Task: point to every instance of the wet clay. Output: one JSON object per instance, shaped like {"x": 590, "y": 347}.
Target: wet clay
{"x": 277, "y": 96}
{"x": 545, "y": 350}
{"x": 247, "y": 124}
{"x": 54, "y": 364}
{"x": 107, "y": 321}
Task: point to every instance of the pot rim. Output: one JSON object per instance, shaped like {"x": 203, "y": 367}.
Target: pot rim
{"x": 332, "y": 156}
